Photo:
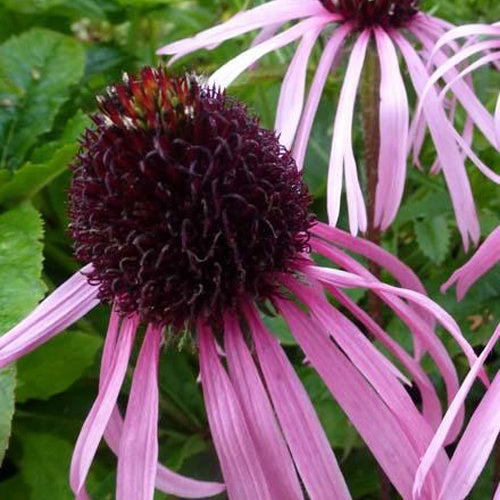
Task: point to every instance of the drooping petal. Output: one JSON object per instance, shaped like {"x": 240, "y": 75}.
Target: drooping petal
{"x": 431, "y": 406}
{"x": 481, "y": 262}
{"x": 325, "y": 64}
{"x": 271, "y": 447}
{"x": 291, "y": 98}
{"x": 72, "y": 300}
{"x": 379, "y": 428}
{"x": 138, "y": 453}
{"x": 376, "y": 369}
{"x": 342, "y": 142}
{"x": 98, "y": 417}
{"x": 347, "y": 280}
{"x": 235, "y": 447}
{"x": 306, "y": 439}
{"x": 463, "y": 92}
{"x": 394, "y": 122}
{"x": 232, "y": 69}
{"x": 261, "y": 16}
{"x": 448, "y": 153}
{"x": 466, "y": 465}
{"x": 420, "y": 329}
{"x": 166, "y": 480}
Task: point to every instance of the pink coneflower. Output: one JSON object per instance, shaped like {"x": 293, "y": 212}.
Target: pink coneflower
{"x": 393, "y": 26}
{"x": 191, "y": 218}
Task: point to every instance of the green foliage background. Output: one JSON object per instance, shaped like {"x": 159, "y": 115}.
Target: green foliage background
{"x": 54, "y": 56}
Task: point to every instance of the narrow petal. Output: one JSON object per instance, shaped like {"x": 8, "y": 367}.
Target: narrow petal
{"x": 448, "y": 153}
{"x": 232, "y": 69}
{"x": 306, "y": 439}
{"x": 464, "y": 93}
{"x": 96, "y": 422}
{"x": 66, "y": 305}
{"x": 414, "y": 320}
{"x": 466, "y": 474}
{"x": 166, "y": 480}
{"x": 291, "y": 98}
{"x": 431, "y": 406}
{"x": 349, "y": 280}
{"x": 235, "y": 447}
{"x": 403, "y": 274}
{"x": 325, "y": 64}
{"x": 271, "y": 447}
{"x": 481, "y": 262}
{"x": 377, "y": 369}
{"x": 377, "y": 425}
{"x": 259, "y": 17}
{"x": 394, "y": 123}
{"x": 342, "y": 139}
{"x": 138, "y": 452}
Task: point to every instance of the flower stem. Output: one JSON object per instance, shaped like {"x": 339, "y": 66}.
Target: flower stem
{"x": 370, "y": 99}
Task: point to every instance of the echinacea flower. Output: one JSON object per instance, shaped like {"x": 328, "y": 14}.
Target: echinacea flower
{"x": 189, "y": 218}
{"x": 392, "y": 25}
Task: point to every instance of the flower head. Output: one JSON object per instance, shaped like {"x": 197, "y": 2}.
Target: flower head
{"x": 188, "y": 214}
{"x": 394, "y": 27}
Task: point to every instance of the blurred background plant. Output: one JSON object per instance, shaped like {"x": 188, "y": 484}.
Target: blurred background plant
{"x": 54, "y": 56}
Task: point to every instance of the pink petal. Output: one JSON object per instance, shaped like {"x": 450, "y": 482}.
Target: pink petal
{"x": 467, "y": 474}
{"x": 348, "y": 280}
{"x": 259, "y": 17}
{"x": 481, "y": 262}
{"x": 235, "y": 447}
{"x": 448, "y": 153}
{"x": 405, "y": 276}
{"x": 231, "y": 70}
{"x": 464, "y": 93}
{"x": 394, "y": 123}
{"x": 66, "y": 305}
{"x": 372, "y": 365}
{"x": 166, "y": 480}
{"x": 291, "y": 98}
{"x": 325, "y": 64}
{"x": 431, "y": 406}
{"x": 96, "y": 422}
{"x": 266, "y": 434}
{"x": 341, "y": 153}
{"x": 379, "y": 428}
{"x": 138, "y": 452}
{"x": 306, "y": 439}
{"x": 414, "y": 321}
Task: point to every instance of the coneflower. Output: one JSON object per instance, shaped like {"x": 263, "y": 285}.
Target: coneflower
{"x": 394, "y": 26}
{"x": 190, "y": 219}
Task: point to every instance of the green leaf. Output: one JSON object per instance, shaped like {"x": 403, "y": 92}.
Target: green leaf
{"x": 433, "y": 237}
{"x": 36, "y": 70}
{"x": 20, "y": 264}
{"x": 45, "y": 466}
{"x": 279, "y": 328}
{"x": 53, "y": 367}
{"x": 20, "y": 291}
{"x": 7, "y": 385}
{"x": 32, "y": 177}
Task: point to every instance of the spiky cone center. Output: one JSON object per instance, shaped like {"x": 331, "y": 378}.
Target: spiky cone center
{"x": 183, "y": 203}
{"x": 367, "y": 13}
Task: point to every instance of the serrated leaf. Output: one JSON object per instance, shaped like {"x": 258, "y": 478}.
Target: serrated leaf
{"x": 36, "y": 70}
{"x": 21, "y": 288}
{"x": 45, "y": 466}
{"x": 55, "y": 366}
{"x": 433, "y": 238}
{"x": 32, "y": 177}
